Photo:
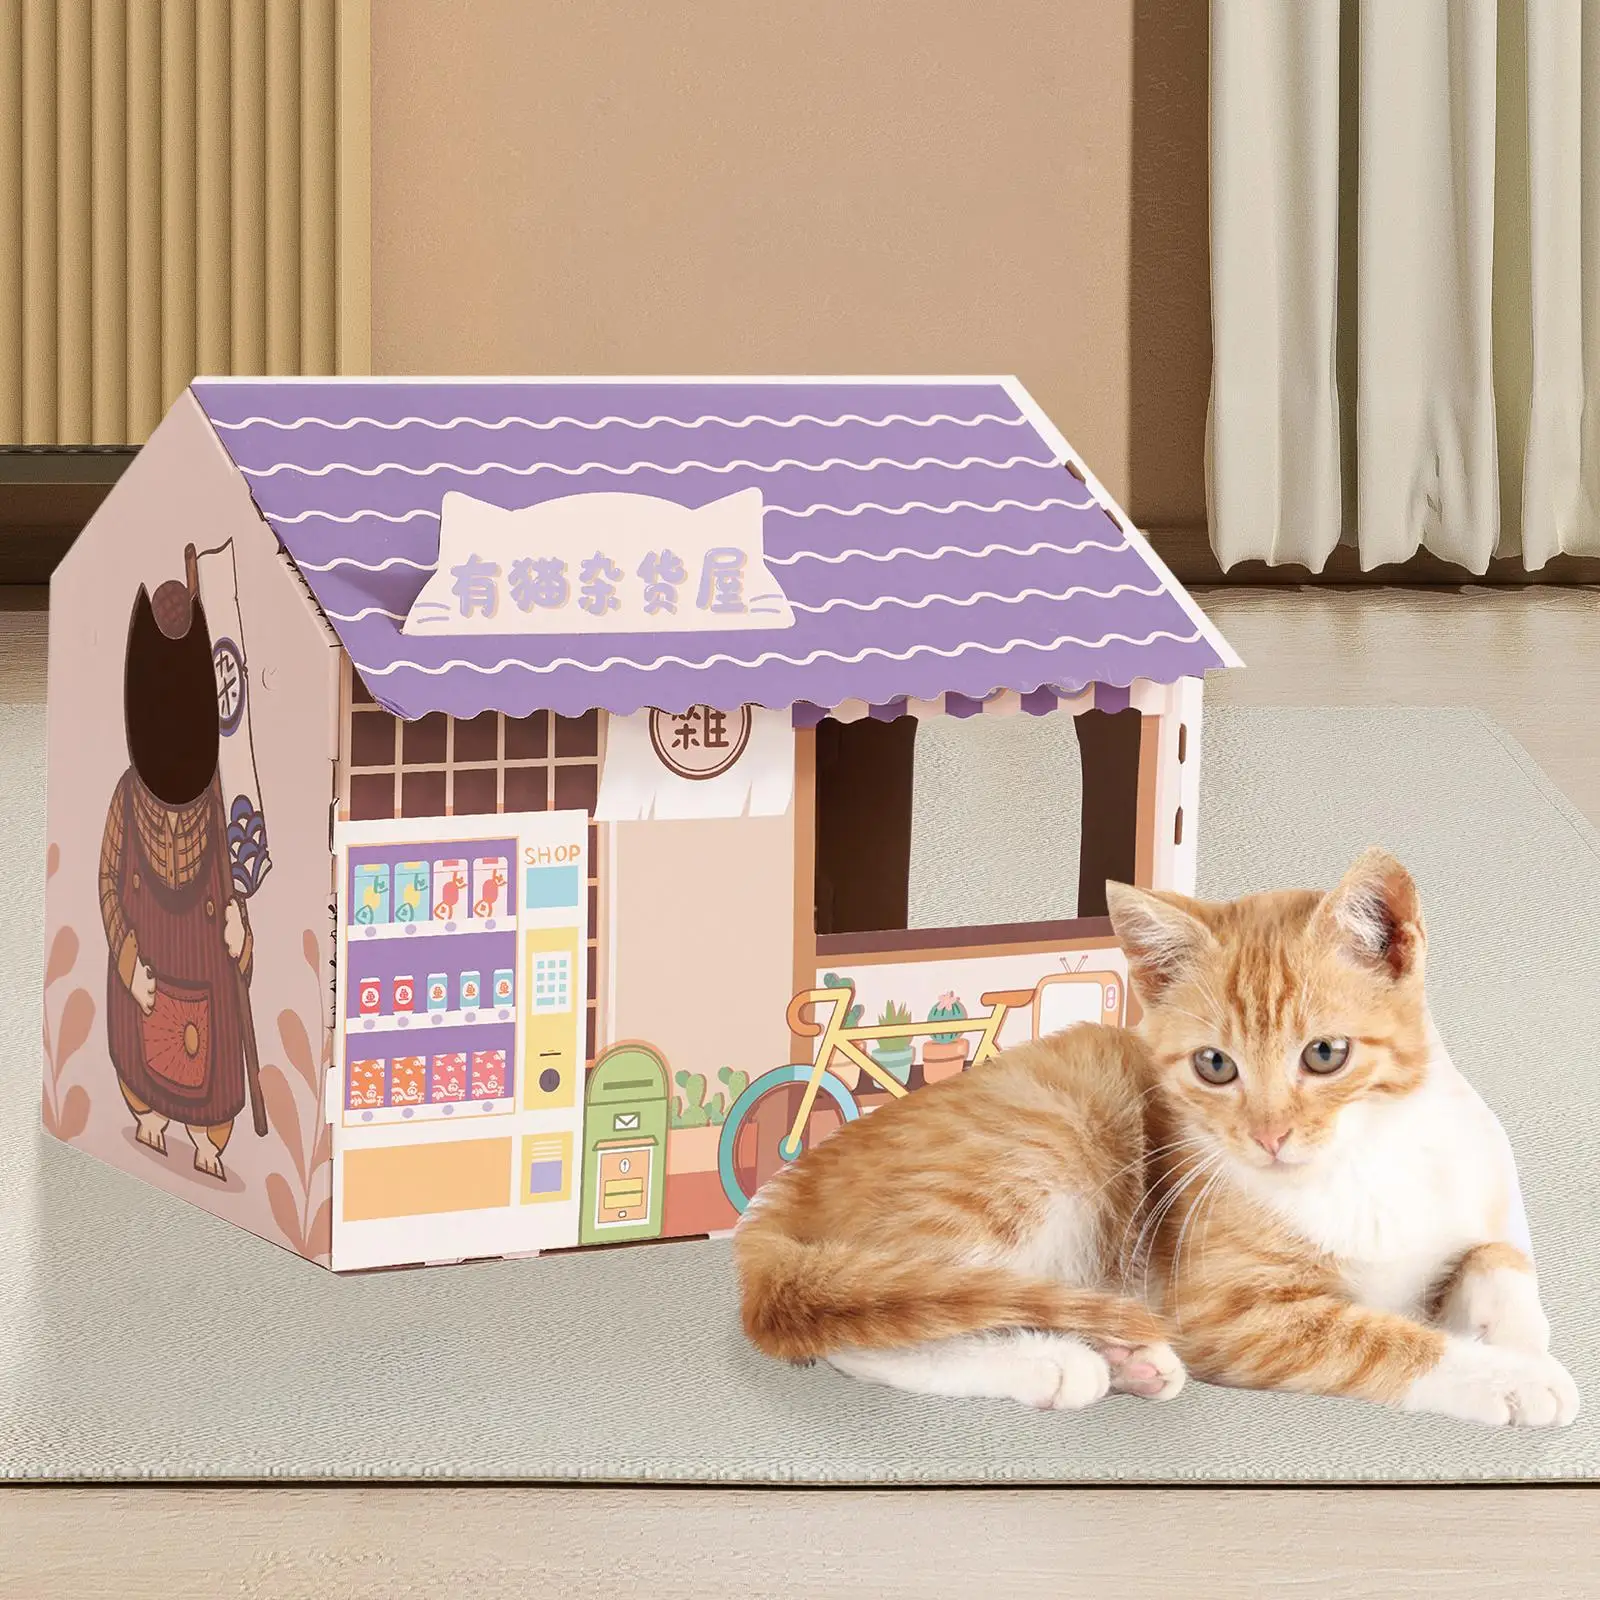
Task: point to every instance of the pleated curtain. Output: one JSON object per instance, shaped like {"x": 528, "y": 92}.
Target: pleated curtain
{"x": 184, "y": 189}
{"x": 1405, "y": 257}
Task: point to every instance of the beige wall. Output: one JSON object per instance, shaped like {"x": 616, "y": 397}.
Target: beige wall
{"x": 804, "y": 186}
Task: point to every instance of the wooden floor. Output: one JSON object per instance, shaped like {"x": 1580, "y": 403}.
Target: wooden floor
{"x": 1531, "y": 658}
{"x": 1528, "y": 657}
{"x": 685, "y": 1544}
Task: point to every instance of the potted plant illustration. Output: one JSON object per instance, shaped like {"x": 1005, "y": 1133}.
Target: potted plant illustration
{"x": 696, "y": 1118}
{"x": 841, "y": 1066}
{"x": 945, "y": 1054}
{"x": 894, "y": 1055}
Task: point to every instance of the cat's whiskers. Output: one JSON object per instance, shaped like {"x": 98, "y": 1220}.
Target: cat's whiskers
{"x": 1141, "y": 1160}
{"x": 1196, "y": 1167}
{"x": 1203, "y": 1205}
{"x": 1205, "y": 1234}
{"x": 1153, "y": 1193}
{"x": 1144, "y": 1251}
{"x": 1153, "y": 1226}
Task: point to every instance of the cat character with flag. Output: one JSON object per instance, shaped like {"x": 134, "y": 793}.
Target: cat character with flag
{"x": 184, "y": 849}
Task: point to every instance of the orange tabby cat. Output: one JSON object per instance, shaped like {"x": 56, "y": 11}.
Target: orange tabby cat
{"x": 1335, "y": 1210}
{"x": 966, "y": 1240}
{"x": 1291, "y": 1166}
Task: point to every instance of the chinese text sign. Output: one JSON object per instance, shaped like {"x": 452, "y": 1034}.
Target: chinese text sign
{"x": 600, "y": 563}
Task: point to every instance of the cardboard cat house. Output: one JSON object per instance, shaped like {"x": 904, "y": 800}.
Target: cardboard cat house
{"x": 479, "y": 811}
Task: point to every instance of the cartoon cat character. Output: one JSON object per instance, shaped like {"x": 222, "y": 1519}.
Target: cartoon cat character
{"x": 178, "y": 1021}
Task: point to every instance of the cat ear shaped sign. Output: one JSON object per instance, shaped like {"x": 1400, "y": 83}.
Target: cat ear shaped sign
{"x": 655, "y": 567}
{"x": 512, "y": 637}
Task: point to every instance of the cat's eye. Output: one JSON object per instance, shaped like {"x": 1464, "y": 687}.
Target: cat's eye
{"x": 1325, "y": 1055}
{"x": 1211, "y": 1065}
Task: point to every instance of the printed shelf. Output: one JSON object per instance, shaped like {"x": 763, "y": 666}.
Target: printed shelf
{"x": 431, "y": 930}
{"x": 416, "y": 1023}
{"x": 452, "y": 1110}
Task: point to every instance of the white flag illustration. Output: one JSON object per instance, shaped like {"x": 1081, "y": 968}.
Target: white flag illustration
{"x": 236, "y": 758}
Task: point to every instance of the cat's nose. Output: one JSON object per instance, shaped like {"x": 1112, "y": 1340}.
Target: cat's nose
{"x": 1270, "y": 1139}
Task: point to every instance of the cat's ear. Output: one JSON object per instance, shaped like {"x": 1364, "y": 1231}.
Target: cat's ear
{"x": 1374, "y": 918}
{"x": 1162, "y": 940}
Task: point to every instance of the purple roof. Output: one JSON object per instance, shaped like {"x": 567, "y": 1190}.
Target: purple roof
{"x": 928, "y": 535}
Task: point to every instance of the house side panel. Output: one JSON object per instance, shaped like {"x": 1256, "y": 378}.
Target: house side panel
{"x": 1169, "y": 794}
{"x": 166, "y": 890}
{"x": 1181, "y": 778}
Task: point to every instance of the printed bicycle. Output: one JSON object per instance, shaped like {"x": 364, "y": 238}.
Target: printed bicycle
{"x": 772, "y": 1091}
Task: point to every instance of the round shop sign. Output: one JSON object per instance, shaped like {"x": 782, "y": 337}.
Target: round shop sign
{"x": 701, "y": 742}
{"x": 229, "y": 666}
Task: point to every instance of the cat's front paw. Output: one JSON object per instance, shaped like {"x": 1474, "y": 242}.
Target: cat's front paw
{"x": 1054, "y": 1373}
{"x": 1493, "y": 1385}
{"x": 1500, "y": 1306}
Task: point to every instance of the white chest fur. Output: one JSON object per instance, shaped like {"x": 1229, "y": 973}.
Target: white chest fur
{"x": 1407, "y": 1186}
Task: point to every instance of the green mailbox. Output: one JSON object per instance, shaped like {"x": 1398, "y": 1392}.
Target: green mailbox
{"x": 625, "y": 1146}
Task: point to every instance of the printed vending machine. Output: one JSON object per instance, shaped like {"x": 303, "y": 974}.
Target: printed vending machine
{"x": 456, "y": 1094}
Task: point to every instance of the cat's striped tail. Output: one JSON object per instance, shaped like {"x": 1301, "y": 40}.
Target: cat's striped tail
{"x": 804, "y": 1300}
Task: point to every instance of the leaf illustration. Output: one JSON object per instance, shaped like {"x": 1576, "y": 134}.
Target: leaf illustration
{"x": 284, "y": 1211}
{"x": 297, "y": 1046}
{"x": 49, "y": 1049}
{"x": 321, "y": 1148}
{"x": 63, "y": 956}
{"x": 74, "y": 1112}
{"x": 47, "y": 1114}
{"x": 308, "y": 944}
{"x": 77, "y": 1017}
{"x": 284, "y": 1114}
{"x": 319, "y": 1236}
{"x": 52, "y": 861}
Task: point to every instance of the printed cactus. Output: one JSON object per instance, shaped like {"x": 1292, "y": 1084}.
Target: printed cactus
{"x": 737, "y": 1083}
{"x": 894, "y": 1015}
{"x": 689, "y": 1108}
{"x": 696, "y": 1105}
{"x": 946, "y": 1008}
{"x": 832, "y": 980}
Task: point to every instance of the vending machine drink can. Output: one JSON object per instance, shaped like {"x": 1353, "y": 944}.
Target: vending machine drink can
{"x": 505, "y": 986}
{"x": 404, "y": 993}
{"x": 366, "y": 1085}
{"x": 371, "y": 894}
{"x": 450, "y": 890}
{"x": 489, "y": 887}
{"x": 489, "y": 1074}
{"x": 408, "y": 1080}
{"x": 438, "y": 991}
{"x": 369, "y": 997}
{"x": 411, "y": 891}
{"x": 470, "y": 990}
{"x": 447, "y": 1082}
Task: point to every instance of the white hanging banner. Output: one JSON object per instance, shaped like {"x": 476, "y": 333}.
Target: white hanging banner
{"x": 236, "y": 756}
{"x": 599, "y": 563}
{"x": 701, "y": 763}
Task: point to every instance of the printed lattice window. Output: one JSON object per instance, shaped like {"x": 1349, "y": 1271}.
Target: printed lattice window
{"x": 441, "y": 766}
